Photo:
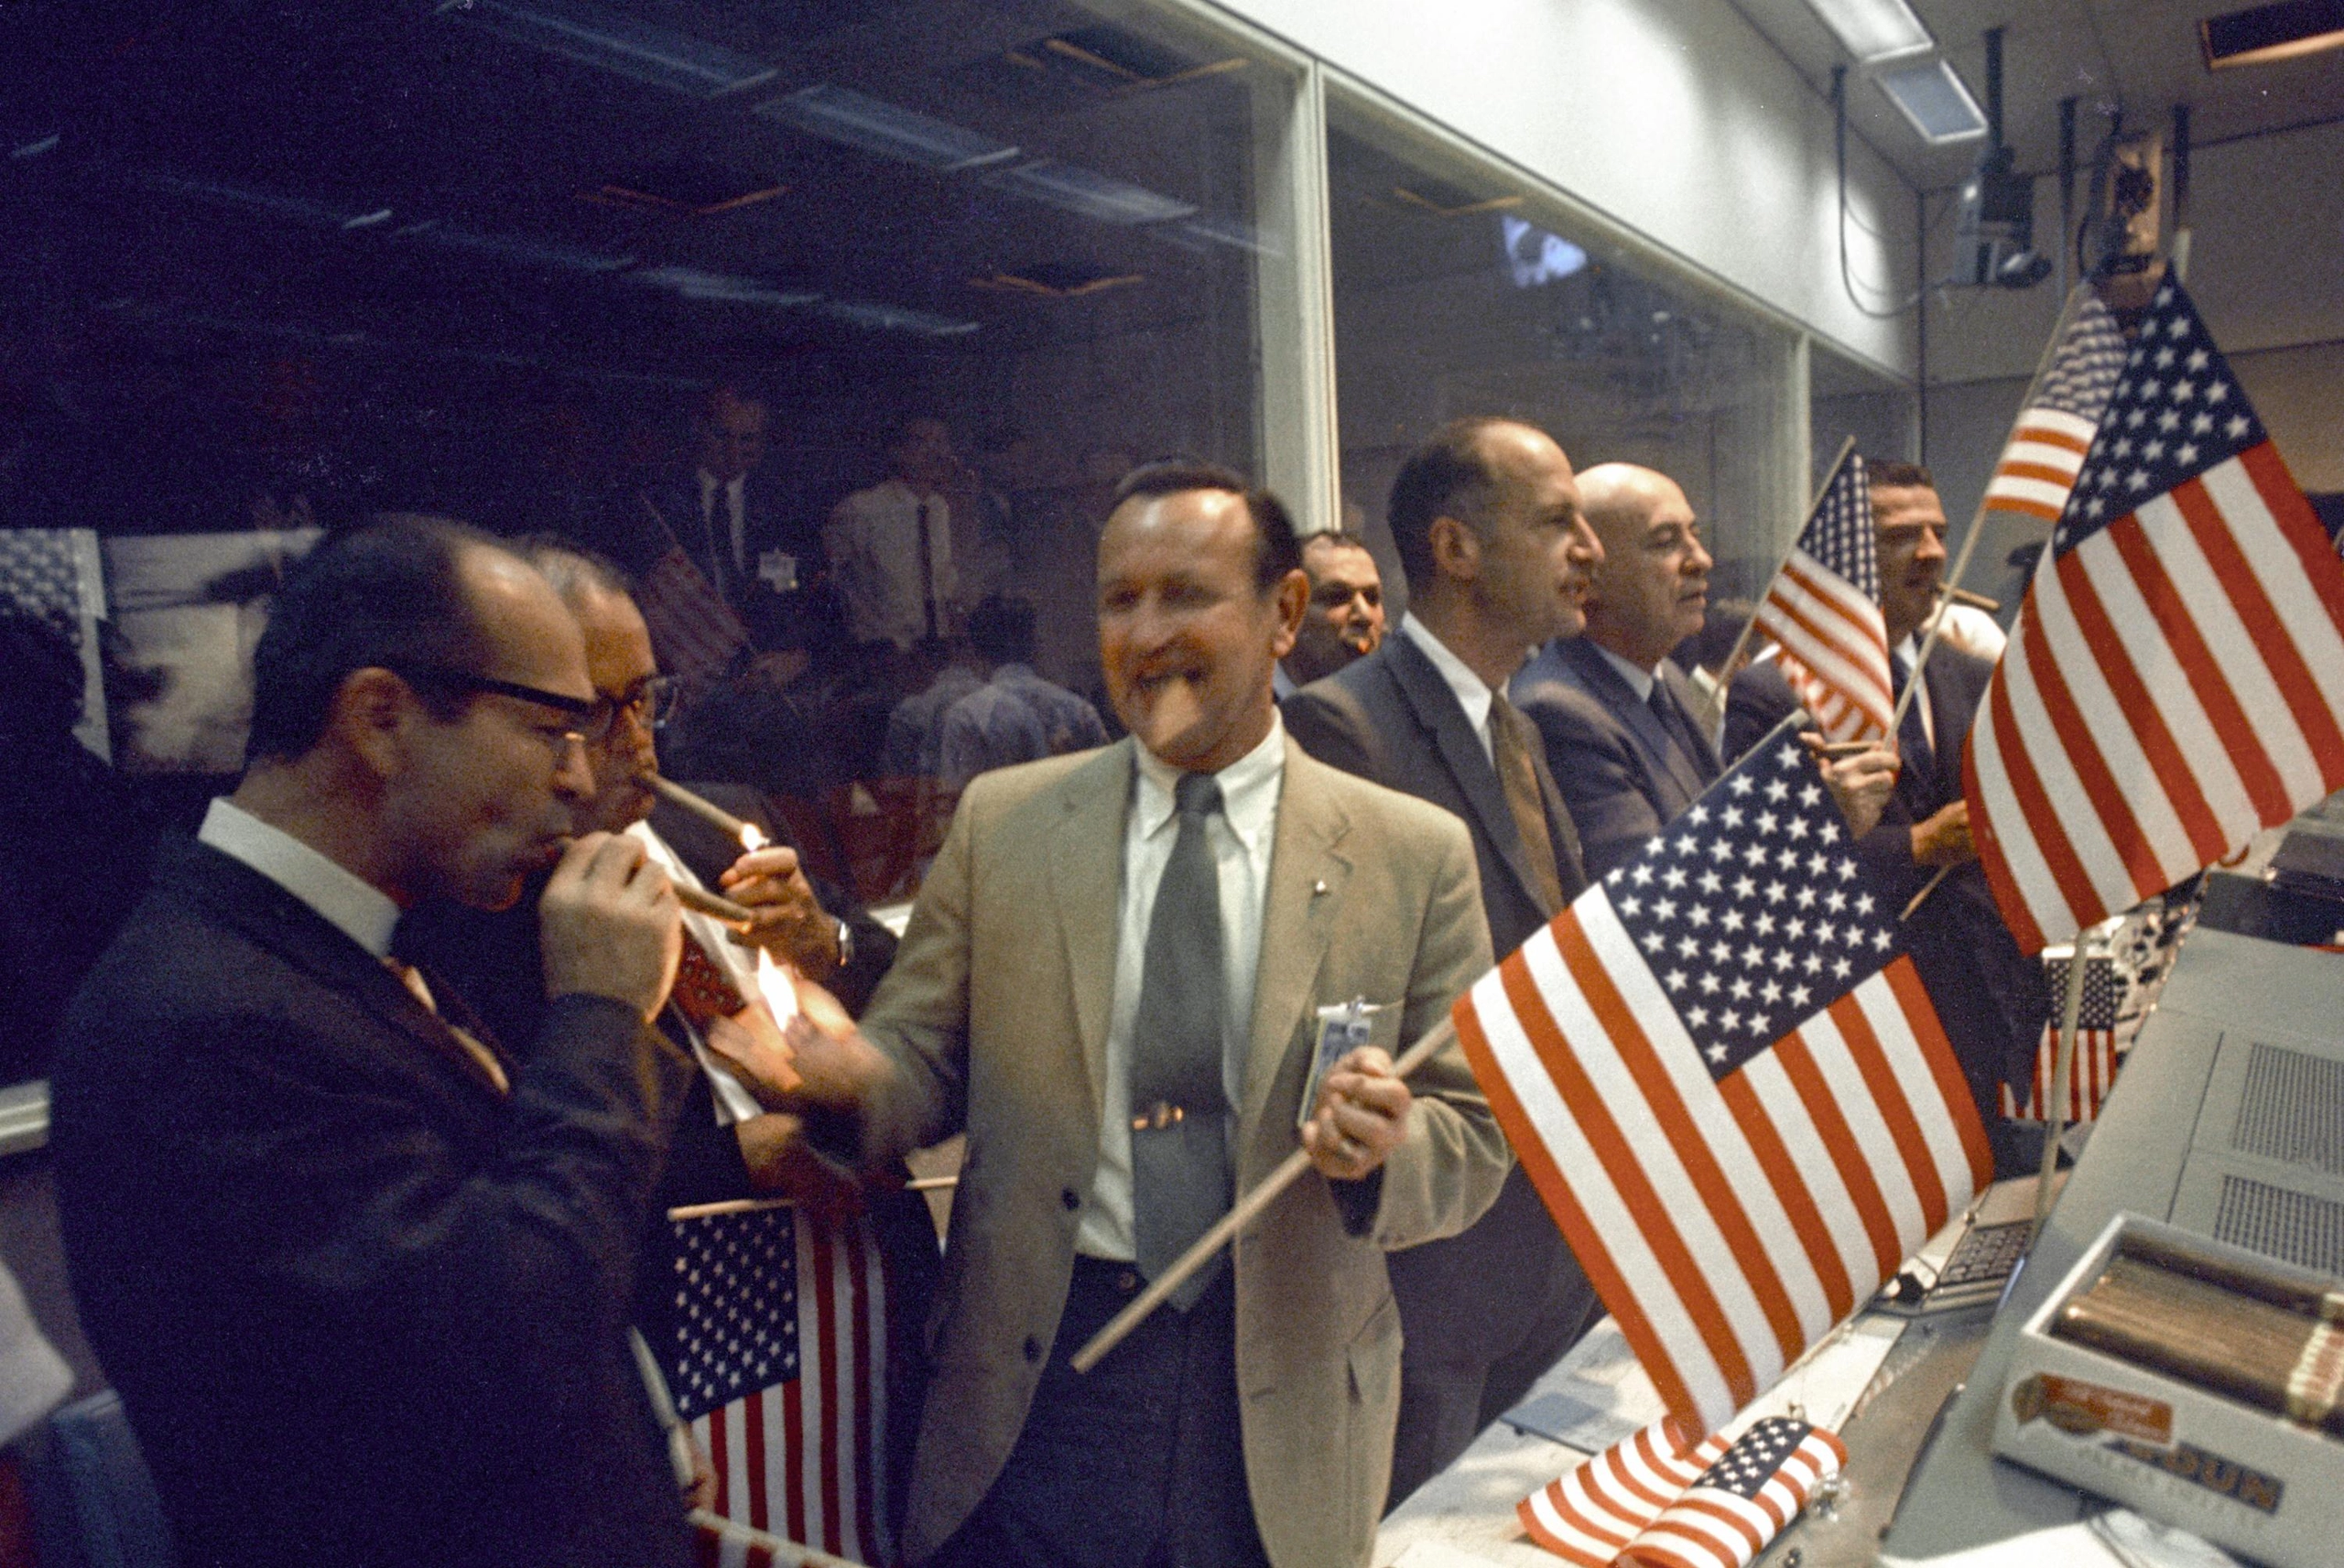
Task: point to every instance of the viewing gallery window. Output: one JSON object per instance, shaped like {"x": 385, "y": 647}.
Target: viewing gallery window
{"x": 1462, "y": 288}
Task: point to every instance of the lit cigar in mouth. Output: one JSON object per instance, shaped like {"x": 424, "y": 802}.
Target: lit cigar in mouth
{"x": 1974, "y": 601}
{"x": 746, "y": 834}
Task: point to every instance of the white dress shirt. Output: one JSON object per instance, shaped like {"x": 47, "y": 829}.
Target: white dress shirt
{"x": 1908, "y": 650}
{"x": 873, "y": 545}
{"x": 1640, "y": 681}
{"x": 1473, "y": 693}
{"x": 1240, "y": 834}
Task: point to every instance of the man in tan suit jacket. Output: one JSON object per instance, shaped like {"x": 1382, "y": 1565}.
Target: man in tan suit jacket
{"x": 1268, "y": 1438}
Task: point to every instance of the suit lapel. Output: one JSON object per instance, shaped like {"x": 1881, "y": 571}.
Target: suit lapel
{"x": 1307, "y": 873}
{"x": 1662, "y": 753}
{"x": 1086, "y": 886}
{"x": 1476, "y": 777}
{"x": 283, "y": 923}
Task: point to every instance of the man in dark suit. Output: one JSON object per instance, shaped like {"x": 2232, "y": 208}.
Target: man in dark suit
{"x": 763, "y": 559}
{"x": 1617, "y": 716}
{"x": 1990, "y": 996}
{"x": 1486, "y": 517}
{"x": 360, "y": 1275}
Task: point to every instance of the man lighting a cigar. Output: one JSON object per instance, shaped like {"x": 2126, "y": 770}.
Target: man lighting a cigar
{"x": 359, "y": 1271}
{"x": 1990, "y": 996}
{"x": 1117, "y": 981}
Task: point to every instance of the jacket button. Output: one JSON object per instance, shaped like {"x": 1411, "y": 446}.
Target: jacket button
{"x": 1033, "y": 1348}
{"x": 1069, "y": 1196}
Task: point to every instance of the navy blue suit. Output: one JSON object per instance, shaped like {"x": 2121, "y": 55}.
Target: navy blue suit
{"x": 1485, "y": 1313}
{"x": 1623, "y": 769}
{"x": 1990, "y": 996}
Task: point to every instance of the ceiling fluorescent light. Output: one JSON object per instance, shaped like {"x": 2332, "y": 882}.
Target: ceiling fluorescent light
{"x": 1873, "y": 29}
{"x": 620, "y": 44}
{"x": 843, "y": 114}
{"x": 513, "y": 248}
{"x": 897, "y": 318}
{"x": 1935, "y": 100}
{"x": 1072, "y": 188}
{"x": 693, "y": 283}
{"x": 2265, "y": 32}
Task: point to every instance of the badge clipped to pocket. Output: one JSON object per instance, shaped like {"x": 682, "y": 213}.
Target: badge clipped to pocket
{"x": 1343, "y": 1027}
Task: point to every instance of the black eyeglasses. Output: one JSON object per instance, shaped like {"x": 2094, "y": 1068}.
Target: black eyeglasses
{"x": 464, "y": 680}
{"x": 651, "y": 700}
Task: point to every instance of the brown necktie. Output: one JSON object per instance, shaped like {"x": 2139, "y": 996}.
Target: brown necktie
{"x": 703, "y": 991}
{"x": 1510, "y": 738}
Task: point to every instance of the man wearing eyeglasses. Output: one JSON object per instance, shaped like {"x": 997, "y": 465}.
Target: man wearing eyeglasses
{"x": 358, "y": 1270}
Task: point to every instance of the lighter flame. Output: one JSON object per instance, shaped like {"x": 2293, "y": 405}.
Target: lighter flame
{"x": 751, "y": 839}
{"x": 776, "y": 982}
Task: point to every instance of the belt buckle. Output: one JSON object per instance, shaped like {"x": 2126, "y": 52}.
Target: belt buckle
{"x": 1157, "y": 1117}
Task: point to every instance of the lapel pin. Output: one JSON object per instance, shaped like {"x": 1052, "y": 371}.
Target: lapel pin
{"x": 1317, "y": 888}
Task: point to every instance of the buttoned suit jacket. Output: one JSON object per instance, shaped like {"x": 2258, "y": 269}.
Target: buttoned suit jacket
{"x": 349, "y": 1293}
{"x": 995, "y": 1017}
{"x": 767, "y": 522}
{"x": 1990, "y": 996}
{"x": 1623, "y": 773}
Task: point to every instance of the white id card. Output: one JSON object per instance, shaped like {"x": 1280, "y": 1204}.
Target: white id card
{"x": 1343, "y": 1027}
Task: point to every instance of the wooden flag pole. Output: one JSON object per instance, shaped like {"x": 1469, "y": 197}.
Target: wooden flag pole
{"x": 1978, "y": 519}
{"x": 2063, "y": 1068}
{"x": 1725, "y": 680}
{"x": 1225, "y": 1230}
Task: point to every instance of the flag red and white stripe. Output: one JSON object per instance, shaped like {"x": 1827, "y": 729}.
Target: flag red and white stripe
{"x": 1744, "y": 1501}
{"x": 2175, "y": 681}
{"x": 803, "y": 1456}
{"x": 2038, "y": 467}
{"x": 1823, "y": 610}
{"x": 694, "y": 630}
{"x": 2093, "y": 1073}
{"x": 1588, "y": 1516}
{"x": 2062, "y": 411}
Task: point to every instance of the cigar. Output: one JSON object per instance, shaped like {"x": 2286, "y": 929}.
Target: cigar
{"x": 716, "y": 908}
{"x": 1835, "y": 750}
{"x": 1974, "y": 601}
{"x": 746, "y": 834}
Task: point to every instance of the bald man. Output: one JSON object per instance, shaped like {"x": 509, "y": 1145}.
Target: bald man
{"x": 1616, "y": 715}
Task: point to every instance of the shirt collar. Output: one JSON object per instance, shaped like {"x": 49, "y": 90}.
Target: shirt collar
{"x": 1909, "y": 650}
{"x": 1640, "y": 681}
{"x": 346, "y": 901}
{"x": 1249, "y": 787}
{"x": 1472, "y": 692}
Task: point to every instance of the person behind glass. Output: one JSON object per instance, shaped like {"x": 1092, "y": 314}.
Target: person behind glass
{"x": 1345, "y": 617}
{"x": 1016, "y": 716}
{"x": 1486, "y": 517}
{"x": 890, "y": 547}
{"x": 1090, "y": 990}
{"x": 942, "y": 671}
{"x": 360, "y": 1275}
{"x": 1990, "y": 996}
{"x": 730, "y": 520}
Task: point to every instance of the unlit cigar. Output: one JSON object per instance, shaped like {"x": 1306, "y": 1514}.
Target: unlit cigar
{"x": 716, "y": 908}
{"x": 746, "y": 833}
{"x": 2194, "y": 1329}
{"x": 1836, "y": 749}
{"x": 1974, "y": 601}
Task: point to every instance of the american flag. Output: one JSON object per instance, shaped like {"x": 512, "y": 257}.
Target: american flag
{"x": 2094, "y": 1073}
{"x": 1728, "y": 1086}
{"x": 53, "y": 575}
{"x": 1588, "y": 1516}
{"x": 778, "y": 1361}
{"x": 695, "y": 632}
{"x": 720, "y": 1544}
{"x": 2062, "y": 410}
{"x": 1823, "y": 608}
{"x": 2175, "y": 681}
{"x": 1742, "y": 1502}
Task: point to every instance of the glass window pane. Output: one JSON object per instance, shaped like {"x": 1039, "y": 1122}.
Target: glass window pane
{"x": 1461, "y": 290}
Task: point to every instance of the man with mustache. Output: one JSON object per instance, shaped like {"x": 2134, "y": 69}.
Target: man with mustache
{"x": 1615, "y": 714}
{"x": 360, "y": 1275}
{"x": 1117, "y": 980}
{"x": 1487, "y": 518}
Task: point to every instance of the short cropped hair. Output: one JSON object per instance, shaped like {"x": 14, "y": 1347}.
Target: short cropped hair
{"x": 1896, "y": 474}
{"x": 1341, "y": 538}
{"x": 1000, "y": 628}
{"x": 572, "y": 568}
{"x": 1277, "y": 551}
{"x": 387, "y": 595}
{"x": 1449, "y": 476}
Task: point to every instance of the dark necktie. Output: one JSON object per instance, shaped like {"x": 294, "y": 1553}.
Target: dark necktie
{"x": 1510, "y": 738}
{"x": 1180, "y": 1175}
{"x": 1681, "y": 728}
{"x": 716, "y": 520}
{"x": 1912, "y": 734}
{"x": 927, "y": 571}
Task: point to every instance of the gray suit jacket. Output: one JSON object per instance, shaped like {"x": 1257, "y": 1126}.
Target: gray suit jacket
{"x": 1622, "y": 772}
{"x": 995, "y": 1017}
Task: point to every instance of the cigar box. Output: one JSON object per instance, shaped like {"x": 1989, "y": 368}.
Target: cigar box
{"x": 2211, "y": 1462}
